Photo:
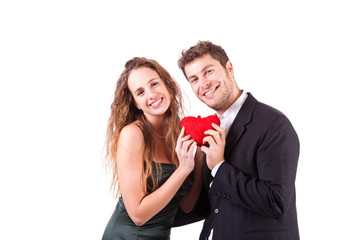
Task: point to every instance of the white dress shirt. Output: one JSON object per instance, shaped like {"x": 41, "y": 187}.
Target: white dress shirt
{"x": 226, "y": 120}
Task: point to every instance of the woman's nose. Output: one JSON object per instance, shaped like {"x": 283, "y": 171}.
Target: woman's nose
{"x": 152, "y": 93}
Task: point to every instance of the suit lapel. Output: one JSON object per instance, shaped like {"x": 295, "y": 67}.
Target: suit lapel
{"x": 237, "y": 128}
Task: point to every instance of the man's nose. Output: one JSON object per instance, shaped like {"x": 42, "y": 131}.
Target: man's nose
{"x": 204, "y": 83}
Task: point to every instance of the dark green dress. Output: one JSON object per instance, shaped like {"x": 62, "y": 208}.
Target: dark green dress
{"x": 121, "y": 226}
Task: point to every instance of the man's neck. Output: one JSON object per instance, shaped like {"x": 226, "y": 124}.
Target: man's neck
{"x": 236, "y": 95}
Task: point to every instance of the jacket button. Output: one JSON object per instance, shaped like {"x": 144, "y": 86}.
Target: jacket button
{"x": 216, "y": 210}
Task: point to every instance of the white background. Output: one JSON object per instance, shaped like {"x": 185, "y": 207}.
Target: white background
{"x": 59, "y": 61}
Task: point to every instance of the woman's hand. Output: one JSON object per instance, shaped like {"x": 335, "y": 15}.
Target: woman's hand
{"x": 185, "y": 150}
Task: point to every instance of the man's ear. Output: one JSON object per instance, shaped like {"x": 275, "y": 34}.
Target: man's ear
{"x": 229, "y": 68}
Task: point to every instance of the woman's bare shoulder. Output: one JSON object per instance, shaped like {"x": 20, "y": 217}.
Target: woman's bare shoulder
{"x": 130, "y": 146}
{"x": 131, "y": 135}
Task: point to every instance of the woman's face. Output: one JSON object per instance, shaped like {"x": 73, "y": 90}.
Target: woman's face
{"x": 149, "y": 92}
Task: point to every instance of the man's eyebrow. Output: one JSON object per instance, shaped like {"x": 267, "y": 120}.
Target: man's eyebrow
{"x": 202, "y": 70}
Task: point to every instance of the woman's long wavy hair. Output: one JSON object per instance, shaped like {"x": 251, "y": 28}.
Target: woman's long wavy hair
{"x": 124, "y": 112}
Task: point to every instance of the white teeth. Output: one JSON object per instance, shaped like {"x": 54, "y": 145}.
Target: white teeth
{"x": 154, "y": 103}
{"x": 210, "y": 92}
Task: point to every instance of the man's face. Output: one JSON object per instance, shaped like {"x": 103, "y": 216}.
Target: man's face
{"x": 212, "y": 83}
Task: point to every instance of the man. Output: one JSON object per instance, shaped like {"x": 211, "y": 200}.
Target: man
{"x": 251, "y": 160}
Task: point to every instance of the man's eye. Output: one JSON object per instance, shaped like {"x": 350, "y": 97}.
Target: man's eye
{"x": 193, "y": 80}
{"x": 209, "y": 71}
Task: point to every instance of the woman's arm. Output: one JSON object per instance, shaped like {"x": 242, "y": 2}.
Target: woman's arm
{"x": 188, "y": 202}
{"x": 142, "y": 208}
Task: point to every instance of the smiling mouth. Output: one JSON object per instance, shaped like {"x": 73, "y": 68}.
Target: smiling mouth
{"x": 211, "y": 91}
{"x": 156, "y": 102}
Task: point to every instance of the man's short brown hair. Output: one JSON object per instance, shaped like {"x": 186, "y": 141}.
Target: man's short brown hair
{"x": 200, "y": 49}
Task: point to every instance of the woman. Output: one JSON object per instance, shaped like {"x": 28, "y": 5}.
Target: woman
{"x": 149, "y": 156}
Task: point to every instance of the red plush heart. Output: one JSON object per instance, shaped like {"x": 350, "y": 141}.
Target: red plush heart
{"x": 195, "y": 127}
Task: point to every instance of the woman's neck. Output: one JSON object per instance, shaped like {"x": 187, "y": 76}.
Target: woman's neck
{"x": 157, "y": 126}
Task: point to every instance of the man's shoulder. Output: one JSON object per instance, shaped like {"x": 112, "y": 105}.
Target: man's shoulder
{"x": 261, "y": 108}
{"x": 268, "y": 110}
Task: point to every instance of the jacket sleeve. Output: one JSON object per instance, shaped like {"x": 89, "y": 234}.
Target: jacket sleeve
{"x": 270, "y": 191}
{"x": 199, "y": 212}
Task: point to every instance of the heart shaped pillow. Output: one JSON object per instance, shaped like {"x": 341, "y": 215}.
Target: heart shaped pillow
{"x": 195, "y": 127}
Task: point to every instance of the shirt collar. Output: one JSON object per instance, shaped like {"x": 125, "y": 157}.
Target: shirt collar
{"x": 229, "y": 115}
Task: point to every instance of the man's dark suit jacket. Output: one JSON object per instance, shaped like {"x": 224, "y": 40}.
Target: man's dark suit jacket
{"x": 252, "y": 196}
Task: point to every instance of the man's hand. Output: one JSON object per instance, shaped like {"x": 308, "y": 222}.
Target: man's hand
{"x": 215, "y": 151}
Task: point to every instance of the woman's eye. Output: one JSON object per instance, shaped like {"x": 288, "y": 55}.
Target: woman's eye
{"x": 139, "y": 93}
{"x": 154, "y": 84}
